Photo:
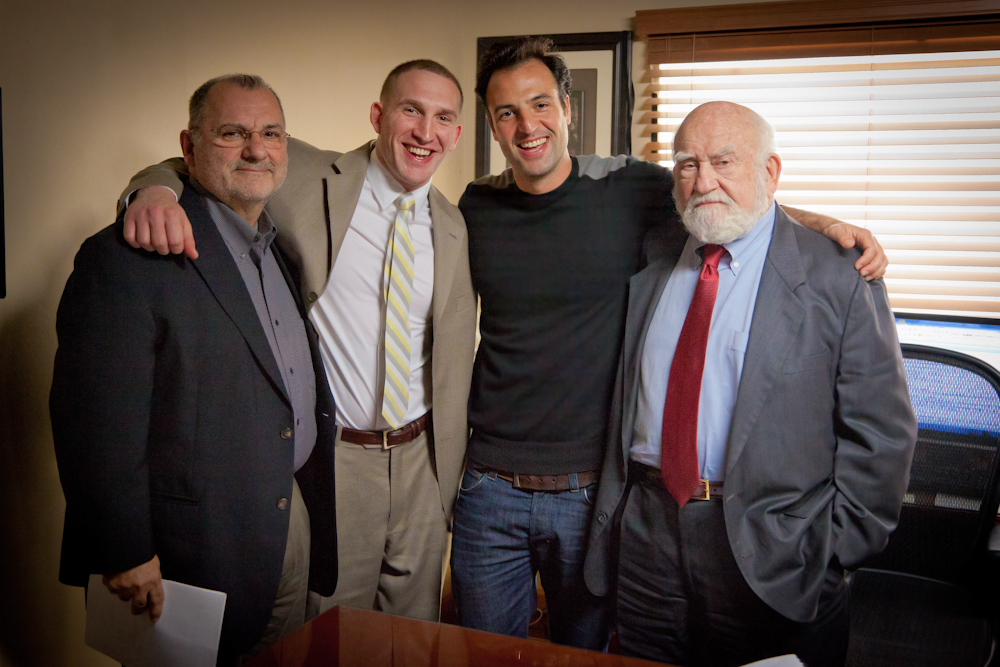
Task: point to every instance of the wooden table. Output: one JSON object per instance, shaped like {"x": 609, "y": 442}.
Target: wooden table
{"x": 344, "y": 637}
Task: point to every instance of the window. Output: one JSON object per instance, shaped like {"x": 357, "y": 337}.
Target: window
{"x": 894, "y": 126}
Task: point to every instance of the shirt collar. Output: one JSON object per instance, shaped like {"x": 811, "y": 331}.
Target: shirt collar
{"x": 386, "y": 189}
{"x": 236, "y": 228}
{"x": 742, "y": 249}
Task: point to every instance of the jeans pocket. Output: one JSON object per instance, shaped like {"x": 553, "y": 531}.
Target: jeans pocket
{"x": 471, "y": 480}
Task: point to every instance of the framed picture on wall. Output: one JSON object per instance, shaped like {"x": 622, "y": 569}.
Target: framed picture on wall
{"x": 3, "y": 250}
{"x": 600, "y": 101}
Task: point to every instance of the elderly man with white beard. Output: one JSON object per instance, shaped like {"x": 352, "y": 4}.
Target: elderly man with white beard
{"x": 762, "y": 431}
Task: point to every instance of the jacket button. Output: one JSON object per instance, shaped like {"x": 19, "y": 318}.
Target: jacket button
{"x": 286, "y": 433}
{"x": 313, "y": 296}
{"x": 282, "y": 503}
{"x": 602, "y": 517}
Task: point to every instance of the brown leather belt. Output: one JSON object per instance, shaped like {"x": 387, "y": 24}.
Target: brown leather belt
{"x": 544, "y": 482}
{"x": 707, "y": 491}
{"x": 387, "y": 439}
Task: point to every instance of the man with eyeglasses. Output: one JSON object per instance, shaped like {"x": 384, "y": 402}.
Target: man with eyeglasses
{"x": 397, "y": 339}
{"x": 190, "y": 410}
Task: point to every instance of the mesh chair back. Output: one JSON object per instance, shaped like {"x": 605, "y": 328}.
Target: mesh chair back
{"x": 952, "y": 498}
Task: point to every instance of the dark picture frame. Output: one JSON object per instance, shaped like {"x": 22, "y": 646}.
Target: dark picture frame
{"x": 3, "y": 244}
{"x": 620, "y": 44}
{"x": 583, "y": 112}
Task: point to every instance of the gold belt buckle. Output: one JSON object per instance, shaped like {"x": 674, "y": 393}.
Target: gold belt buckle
{"x": 400, "y": 432}
{"x": 385, "y": 441}
{"x": 705, "y": 484}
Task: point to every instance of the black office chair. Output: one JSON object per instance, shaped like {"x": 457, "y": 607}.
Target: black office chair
{"x": 930, "y": 598}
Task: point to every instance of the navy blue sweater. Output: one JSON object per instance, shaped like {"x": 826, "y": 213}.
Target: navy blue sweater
{"x": 552, "y": 271}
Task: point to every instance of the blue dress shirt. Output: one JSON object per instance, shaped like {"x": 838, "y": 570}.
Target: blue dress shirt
{"x": 739, "y": 277}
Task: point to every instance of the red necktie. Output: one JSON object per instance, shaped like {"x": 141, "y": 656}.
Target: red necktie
{"x": 679, "y": 442}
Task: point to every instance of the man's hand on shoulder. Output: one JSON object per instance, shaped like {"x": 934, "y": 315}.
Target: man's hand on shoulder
{"x": 873, "y": 262}
{"x": 155, "y": 221}
{"x": 143, "y": 585}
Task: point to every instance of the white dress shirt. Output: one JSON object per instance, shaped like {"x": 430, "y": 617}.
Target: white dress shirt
{"x": 350, "y": 314}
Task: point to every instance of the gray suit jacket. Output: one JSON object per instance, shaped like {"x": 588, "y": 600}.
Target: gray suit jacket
{"x": 822, "y": 434}
{"x": 312, "y": 211}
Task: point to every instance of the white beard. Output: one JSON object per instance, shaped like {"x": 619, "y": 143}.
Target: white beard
{"x": 714, "y": 225}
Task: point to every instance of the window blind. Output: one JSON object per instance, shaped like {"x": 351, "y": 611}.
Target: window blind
{"x": 905, "y": 145}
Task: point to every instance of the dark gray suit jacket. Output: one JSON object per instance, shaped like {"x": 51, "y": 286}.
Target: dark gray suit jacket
{"x": 822, "y": 434}
{"x": 171, "y": 428}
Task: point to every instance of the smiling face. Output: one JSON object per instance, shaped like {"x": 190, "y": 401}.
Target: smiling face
{"x": 531, "y": 124}
{"x": 417, "y": 127}
{"x": 242, "y": 177}
{"x": 722, "y": 186}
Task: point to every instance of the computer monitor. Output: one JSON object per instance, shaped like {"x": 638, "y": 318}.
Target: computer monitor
{"x": 977, "y": 337}
{"x": 957, "y": 403}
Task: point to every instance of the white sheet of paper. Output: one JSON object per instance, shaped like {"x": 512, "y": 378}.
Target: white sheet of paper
{"x": 789, "y": 660}
{"x": 187, "y": 634}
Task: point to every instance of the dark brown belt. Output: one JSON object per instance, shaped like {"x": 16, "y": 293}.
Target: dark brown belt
{"x": 388, "y": 439}
{"x": 706, "y": 491}
{"x": 544, "y": 482}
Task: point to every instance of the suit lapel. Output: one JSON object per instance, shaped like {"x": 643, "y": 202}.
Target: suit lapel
{"x": 343, "y": 193}
{"x": 645, "y": 290}
{"x": 343, "y": 190}
{"x": 448, "y": 233}
{"x": 216, "y": 266}
{"x": 777, "y": 316}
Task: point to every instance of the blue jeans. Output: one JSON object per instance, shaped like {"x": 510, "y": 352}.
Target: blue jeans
{"x": 502, "y": 537}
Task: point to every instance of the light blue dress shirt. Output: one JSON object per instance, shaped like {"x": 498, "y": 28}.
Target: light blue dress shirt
{"x": 739, "y": 277}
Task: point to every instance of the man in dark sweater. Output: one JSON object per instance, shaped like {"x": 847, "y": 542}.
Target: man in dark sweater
{"x": 552, "y": 245}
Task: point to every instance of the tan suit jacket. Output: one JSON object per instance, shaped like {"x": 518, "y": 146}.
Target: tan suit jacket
{"x": 312, "y": 211}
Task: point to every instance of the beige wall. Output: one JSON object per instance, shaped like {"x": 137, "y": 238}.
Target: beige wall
{"x": 95, "y": 90}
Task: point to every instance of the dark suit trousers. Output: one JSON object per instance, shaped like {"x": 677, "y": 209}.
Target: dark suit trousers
{"x": 683, "y": 600}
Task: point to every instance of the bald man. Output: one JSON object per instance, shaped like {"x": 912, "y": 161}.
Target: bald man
{"x": 749, "y": 464}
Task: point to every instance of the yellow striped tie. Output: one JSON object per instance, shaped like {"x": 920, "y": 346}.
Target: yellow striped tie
{"x": 398, "y": 281}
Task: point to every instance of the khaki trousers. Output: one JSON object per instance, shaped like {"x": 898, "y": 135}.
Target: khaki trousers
{"x": 391, "y": 530}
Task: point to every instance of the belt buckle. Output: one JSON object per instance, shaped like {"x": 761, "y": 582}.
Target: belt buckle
{"x": 385, "y": 439}
{"x": 385, "y": 442}
{"x": 707, "y": 495}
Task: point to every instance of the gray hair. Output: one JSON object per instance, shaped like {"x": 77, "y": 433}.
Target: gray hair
{"x": 766, "y": 146}
{"x": 199, "y": 101}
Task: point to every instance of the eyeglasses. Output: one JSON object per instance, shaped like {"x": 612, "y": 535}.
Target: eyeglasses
{"x": 234, "y": 136}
